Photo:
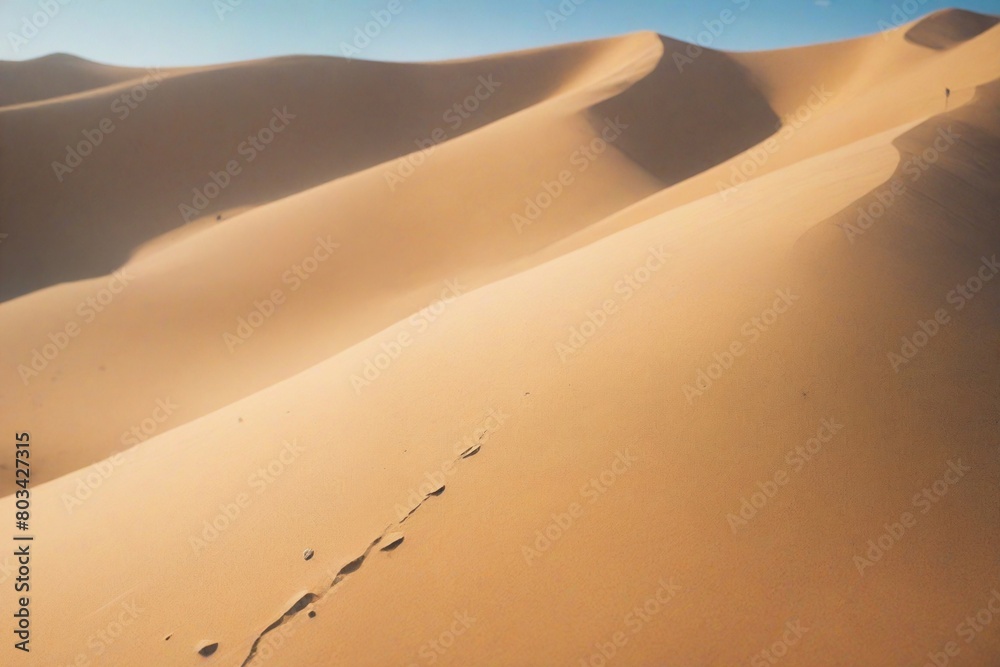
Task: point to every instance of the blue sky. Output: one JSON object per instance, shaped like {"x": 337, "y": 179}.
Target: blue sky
{"x": 193, "y": 32}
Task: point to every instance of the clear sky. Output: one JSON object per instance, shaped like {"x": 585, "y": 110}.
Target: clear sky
{"x": 194, "y": 32}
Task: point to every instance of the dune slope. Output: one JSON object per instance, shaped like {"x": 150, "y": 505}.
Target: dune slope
{"x": 651, "y": 420}
{"x": 561, "y": 171}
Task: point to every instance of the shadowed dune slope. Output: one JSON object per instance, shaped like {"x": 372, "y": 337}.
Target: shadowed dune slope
{"x": 666, "y": 138}
{"x": 826, "y": 96}
{"x": 333, "y": 117}
{"x": 950, "y": 27}
{"x": 375, "y": 217}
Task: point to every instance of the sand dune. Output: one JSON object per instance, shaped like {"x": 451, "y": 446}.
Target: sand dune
{"x": 55, "y": 76}
{"x": 171, "y": 131}
{"x": 576, "y": 385}
{"x": 946, "y": 29}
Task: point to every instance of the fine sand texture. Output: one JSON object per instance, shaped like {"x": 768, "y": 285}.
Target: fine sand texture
{"x": 612, "y": 353}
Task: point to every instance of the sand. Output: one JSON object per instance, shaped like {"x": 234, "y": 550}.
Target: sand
{"x": 616, "y": 362}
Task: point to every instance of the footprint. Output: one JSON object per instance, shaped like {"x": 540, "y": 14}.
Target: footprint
{"x": 207, "y": 648}
{"x": 302, "y": 603}
{"x": 353, "y": 566}
{"x": 391, "y": 541}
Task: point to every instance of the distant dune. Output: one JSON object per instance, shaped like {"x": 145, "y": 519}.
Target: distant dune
{"x": 619, "y": 352}
{"x": 946, "y": 29}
